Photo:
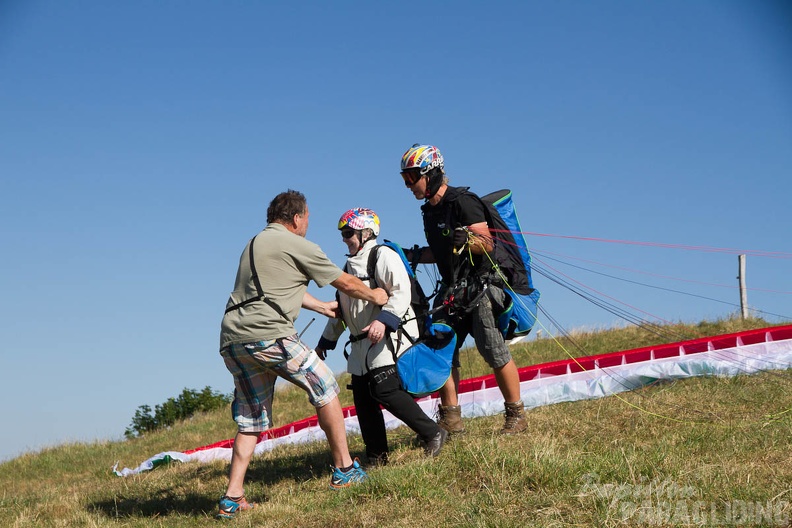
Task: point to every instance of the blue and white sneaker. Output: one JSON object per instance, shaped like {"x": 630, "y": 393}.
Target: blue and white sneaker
{"x": 228, "y": 508}
{"x": 344, "y": 479}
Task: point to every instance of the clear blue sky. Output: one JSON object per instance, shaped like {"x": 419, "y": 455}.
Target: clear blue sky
{"x": 140, "y": 143}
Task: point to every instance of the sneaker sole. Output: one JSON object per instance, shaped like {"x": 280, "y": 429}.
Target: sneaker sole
{"x": 346, "y": 485}
{"x": 222, "y": 514}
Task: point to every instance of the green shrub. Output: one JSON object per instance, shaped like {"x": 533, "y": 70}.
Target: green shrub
{"x": 184, "y": 406}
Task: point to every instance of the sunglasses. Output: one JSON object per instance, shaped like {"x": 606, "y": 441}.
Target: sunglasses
{"x": 347, "y": 233}
{"x": 411, "y": 177}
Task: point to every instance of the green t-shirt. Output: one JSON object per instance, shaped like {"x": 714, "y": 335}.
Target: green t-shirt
{"x": 285, "y": 263}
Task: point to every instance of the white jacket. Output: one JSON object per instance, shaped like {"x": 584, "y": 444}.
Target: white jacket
{"x": 391, "y": 275}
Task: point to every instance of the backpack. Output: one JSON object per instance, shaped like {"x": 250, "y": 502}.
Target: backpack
{"x": 514, "y": 262}
{"x": 418, "y": 300}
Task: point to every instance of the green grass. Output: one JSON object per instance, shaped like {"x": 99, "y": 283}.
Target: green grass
{"x": 585, "y": 463}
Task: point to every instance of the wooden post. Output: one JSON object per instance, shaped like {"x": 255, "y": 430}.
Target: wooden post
{"x": 743, "y": 293}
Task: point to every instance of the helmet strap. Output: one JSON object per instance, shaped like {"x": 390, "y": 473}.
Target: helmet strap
{"x": 434, "y": 180}
{"x": 360, "y": 240}
{"x": 359, "y": 236}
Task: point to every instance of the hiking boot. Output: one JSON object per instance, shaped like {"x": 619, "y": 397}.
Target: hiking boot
{"x": 515, "y": 421}
{"x": 344, "y": 479}
{"x": 433, "y": 446}
{"x": 228, "y": 508}
{"x": 449, "y": 417}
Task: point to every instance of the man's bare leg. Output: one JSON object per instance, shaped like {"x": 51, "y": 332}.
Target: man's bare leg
{"x": 331, "y": 420}
{"x": 244, "y": 445}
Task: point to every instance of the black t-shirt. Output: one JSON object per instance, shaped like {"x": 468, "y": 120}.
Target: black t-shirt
{"x": 457, "y": 208}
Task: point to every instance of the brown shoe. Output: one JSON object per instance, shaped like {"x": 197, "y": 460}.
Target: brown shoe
{"x": 449, "y": 417}
{"x": 515, "y": 421}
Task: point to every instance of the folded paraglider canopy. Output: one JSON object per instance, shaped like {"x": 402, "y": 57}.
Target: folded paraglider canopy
{"x": 426, "y": 366}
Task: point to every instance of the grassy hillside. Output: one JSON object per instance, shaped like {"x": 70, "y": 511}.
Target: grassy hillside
{"x": 591, "y": 463}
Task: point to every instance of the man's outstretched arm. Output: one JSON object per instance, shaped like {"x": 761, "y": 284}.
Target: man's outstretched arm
{"x": 354, "y": 287}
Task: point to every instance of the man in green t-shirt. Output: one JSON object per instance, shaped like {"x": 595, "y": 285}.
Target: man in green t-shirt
{"x": 259, "y": 343}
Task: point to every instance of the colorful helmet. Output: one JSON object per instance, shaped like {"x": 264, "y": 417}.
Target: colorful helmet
{"x": 360, "y": 218}
{"x": 424, "y": 157}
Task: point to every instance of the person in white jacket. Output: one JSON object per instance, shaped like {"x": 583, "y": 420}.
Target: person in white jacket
{"x": 377, "y": 335}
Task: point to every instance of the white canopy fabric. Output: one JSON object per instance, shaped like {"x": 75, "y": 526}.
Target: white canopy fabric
{"x": 560, "y": 381}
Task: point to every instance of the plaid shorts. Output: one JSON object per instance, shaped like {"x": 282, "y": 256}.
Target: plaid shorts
{"x": 256, "y": 366}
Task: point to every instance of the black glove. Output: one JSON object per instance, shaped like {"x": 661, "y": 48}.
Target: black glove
{"x": 414, "y": 255}
{"x": 460, "y": 237}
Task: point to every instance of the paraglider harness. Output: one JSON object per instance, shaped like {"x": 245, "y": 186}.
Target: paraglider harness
{"x": 509, "y": 270}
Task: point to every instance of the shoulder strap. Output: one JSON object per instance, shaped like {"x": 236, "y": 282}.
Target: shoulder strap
{"x": 257, "y": 283}
{"x": 255, "y": 276}
{"x": 371, "y": 267}
{"x": 459, "y": 268}
{"x": 452, "y": 193}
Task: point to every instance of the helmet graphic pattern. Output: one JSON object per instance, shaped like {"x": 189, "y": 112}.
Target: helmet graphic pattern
{"x": 424, "y": 157}
{"x": 360, "y": 218}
